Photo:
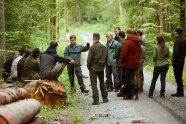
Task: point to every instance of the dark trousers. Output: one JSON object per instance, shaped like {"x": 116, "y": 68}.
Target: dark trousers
{"x": 130, "y": 73}
{"x": 178, "y": 72}
{"x": 93, "y": 79}
{"x": 141, "y": 75}
{"x": 78, "y": 72}
{"x": 157, "y": 71}
{"x": 111, "y": 69}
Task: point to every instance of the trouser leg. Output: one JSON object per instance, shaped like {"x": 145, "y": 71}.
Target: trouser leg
{"x": 58, "y": 69}
{"x": 79, "y": 75}
{"x": 71, "y": 76}
{"x": 141, "y": 75}
{"x": 178, "y": 72}
{"x": 102, "y": 84}
{"x": 119, "y": 69}
{"x": 162, "y": 78}
{"x": 93, "y": 80}
{"x": 116, "y": 78}
{"x": 124, "y": 77}
{"x": 109, "y": 83}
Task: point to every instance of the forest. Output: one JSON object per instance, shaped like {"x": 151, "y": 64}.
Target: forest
{"x": 34, "y": 23}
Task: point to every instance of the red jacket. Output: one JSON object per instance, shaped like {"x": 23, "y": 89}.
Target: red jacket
{"x": 131, "y": 52}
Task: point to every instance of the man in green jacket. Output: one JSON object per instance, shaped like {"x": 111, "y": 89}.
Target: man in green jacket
{"x": 97, "y": 58}
{"x": 111, "y": 63}
{"x": 179, "y": 53}
{"x": 117, "y": 56}
{"x": 73, "y": 52}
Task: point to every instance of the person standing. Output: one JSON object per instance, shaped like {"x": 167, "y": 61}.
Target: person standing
{"x": 7, "y": 66}
{"x": 73, "y": 52}
{"x": 142, "y": 59}
{"x": 22, "y": 52}
{"x": 130, "y": 57}
{"x": 111, "y": 63}
{"x": 179, "y": 53}
{"x": 97, "y": 59}
{"x": 116, "y": 31}
{"x": 160, "y": 58}
{"x": 117, "y": 56}
{"x": 49, "y": 68}
{"x": 31, "y": 67}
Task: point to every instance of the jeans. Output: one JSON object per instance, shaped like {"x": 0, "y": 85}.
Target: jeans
{"x": 157, "y": 71}
{"x": 141, "y": 75}
{"x": 130, "y": 73}
{"x": 178, "y": 72}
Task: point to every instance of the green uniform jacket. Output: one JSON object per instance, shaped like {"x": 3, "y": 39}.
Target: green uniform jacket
{"x": 74, "y": 52}
{"x": 97, "y": 57}
{"x": 31, "y": 69}
{"x": 118, "y": 51}
{"x": 160, "y": 57}
{"x": 111, "y": 51}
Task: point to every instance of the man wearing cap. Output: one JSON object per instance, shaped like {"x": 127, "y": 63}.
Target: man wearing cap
{"x": 73, "y": 52}
{"x": 31, "y": 66}
{"x": 22, "y": 52}
{"x": 48, "y": 67}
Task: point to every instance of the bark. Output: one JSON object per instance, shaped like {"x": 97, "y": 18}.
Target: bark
{"x": 11, "y": 95}
{"x": 19, "y": 112}
{"x": 120, "y": 8}
{"x": 182, "y": 16}
{"x": 2, "y": 38}
{"x": 79, "y": 14}
{"x": 141, "y": 16}
{"x": 161, "y": 16}
{"x": 53, "y": 21}
{"x": 66, "y": 25}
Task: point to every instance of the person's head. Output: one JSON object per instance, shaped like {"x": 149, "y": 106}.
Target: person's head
{"x": 160, "y": 42}
{"x": 121, "y": 35}
{"x": 139, "y": 33}
{"x": 96, "y": 37}
{"x": 27, "y": 54}
{"x": 36, "y": 53}
{"x": 178, "y": 31}
{"x": 130, "y": 32}
{"x": 22, "y": 51}
{"x": 109, "y": 36}
{"x": 53, "y": 44}
{"x": 73, "y": 39}
{"x": 117, "y": 30}
{"x": 14, "y": 54}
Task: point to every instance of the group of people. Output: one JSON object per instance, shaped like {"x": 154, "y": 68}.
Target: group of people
{"x": 121, "y": 57}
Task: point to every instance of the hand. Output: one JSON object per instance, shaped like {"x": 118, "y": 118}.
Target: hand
{"x": 72, "y": 61}
{"x": 88, "y": 43}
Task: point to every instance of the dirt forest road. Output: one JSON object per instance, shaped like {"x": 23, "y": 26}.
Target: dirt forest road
{"x": 145, "y": 111}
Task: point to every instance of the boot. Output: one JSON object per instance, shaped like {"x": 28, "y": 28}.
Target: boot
{"x": 150, "y": 94}
{"x": 84, "y": 90}
{"x": 96, "y": 103}
{"x": 105, "y": 100}
{"x": 162, "y": 95}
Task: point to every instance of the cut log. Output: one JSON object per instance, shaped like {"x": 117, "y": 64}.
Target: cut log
{"x": 47, "y": 92}
{"x": 19, "y": 112}
{"x": 11, "y": 95}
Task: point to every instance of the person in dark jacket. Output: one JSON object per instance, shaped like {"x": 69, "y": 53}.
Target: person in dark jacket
{"x": 160, "y": 58}
{"x": 97, "y": 59}
{"x": 48, "y": 67}
{"x": 130, "y": 56}
{"x": 7, "y": 66}
{"x": 116, "y": 31}
{"x": 31, "y": 67}
{"x": 20, "y": 64}
{"x": 179, "y": 53}
{"x": 73, "y": 52}
{"x": 117, "y": 56}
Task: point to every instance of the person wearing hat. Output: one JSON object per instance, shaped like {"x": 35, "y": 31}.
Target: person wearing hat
{"x": 49, "y": 68}
{"x": 31, "y": 67}
{"x": 22, "y": 52}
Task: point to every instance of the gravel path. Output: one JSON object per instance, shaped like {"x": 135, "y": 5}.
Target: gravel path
{"x": 145, "y": 111}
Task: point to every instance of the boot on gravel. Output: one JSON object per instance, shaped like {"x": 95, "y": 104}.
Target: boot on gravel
{"x": 96, "y": 103}
{"x": 177, "y": 95}
{"x": 84, "y": 90}
{"x": 150, "y": 95}
{"x": 162, "y": 95}
{"x": 105, "y": 100}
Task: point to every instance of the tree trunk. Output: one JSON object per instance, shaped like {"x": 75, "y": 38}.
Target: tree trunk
{"x": 120, "y": 8}
{"x": 19, "y": 112}
{"x": 141, "y": 17}
{"x": 53, "y": 21}
{"x": 182, "y": 16}
{"x": 2, "y": 38}
{"x": 161, "y": 16}
{"x": 66, "y": 25}
{"x": 79, "y": 14}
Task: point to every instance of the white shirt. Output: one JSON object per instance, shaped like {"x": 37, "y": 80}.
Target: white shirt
{"x": 14, "y": 67}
